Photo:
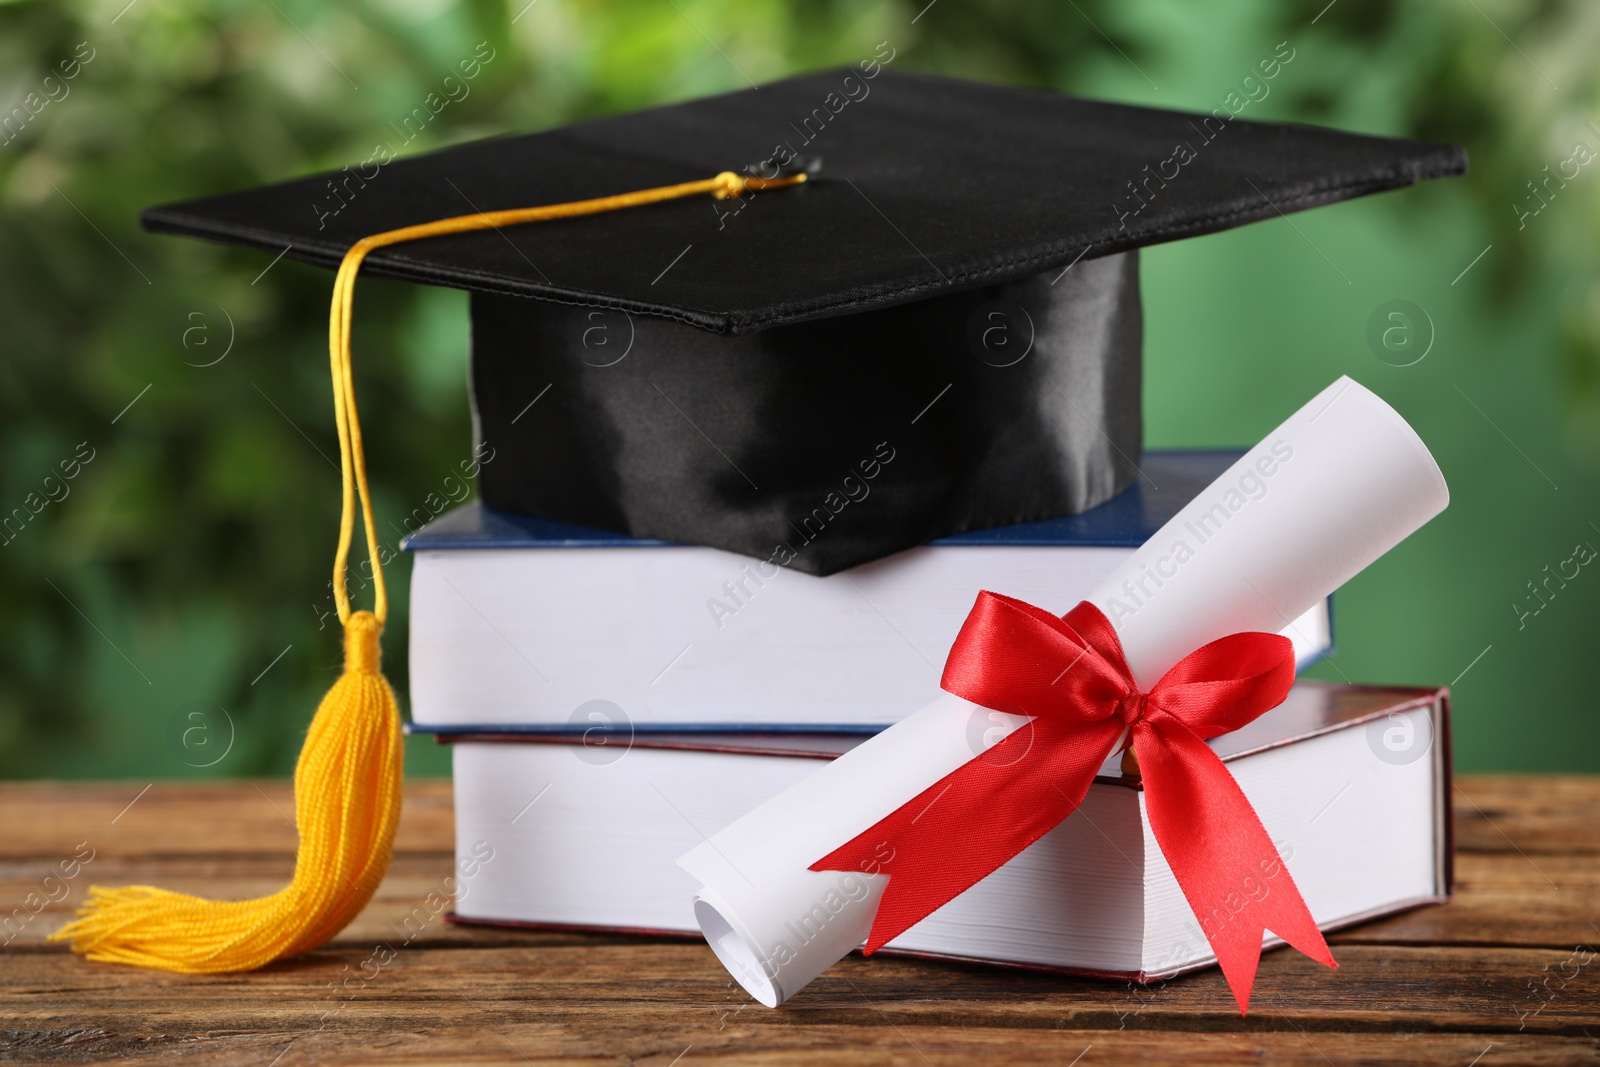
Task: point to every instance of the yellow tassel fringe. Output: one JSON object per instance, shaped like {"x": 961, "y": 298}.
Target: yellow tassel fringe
{"x": 347, "y": 801}
{"x": 347, "y": 781}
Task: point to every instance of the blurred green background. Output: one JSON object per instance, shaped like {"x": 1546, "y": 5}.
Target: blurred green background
{"x": 184, "y": 568}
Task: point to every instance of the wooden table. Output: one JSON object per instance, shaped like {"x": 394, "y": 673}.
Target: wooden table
{"x": 1507, "y": 973}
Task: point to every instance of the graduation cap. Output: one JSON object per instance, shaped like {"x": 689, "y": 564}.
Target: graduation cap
{"x": 711, "y": 339}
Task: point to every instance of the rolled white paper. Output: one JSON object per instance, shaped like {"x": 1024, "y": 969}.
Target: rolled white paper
{"x": 1341, "y": 482}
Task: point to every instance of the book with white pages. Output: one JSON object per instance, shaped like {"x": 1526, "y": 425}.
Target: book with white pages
{"x": 522, "y": 624}
{"x": 1352, "y": 783}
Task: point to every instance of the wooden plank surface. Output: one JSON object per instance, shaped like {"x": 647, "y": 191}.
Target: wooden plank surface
{"x": 1507, "y": 973}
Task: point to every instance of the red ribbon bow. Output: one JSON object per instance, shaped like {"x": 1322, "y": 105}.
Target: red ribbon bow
{"x": 1070, "y": 676}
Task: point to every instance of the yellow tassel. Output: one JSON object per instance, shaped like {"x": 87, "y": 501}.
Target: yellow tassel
{"x": 347, "y": 800}
{"x": 347, "y": 781}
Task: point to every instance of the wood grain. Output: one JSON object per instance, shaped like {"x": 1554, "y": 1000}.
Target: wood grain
{"x": 1506, "y": 972}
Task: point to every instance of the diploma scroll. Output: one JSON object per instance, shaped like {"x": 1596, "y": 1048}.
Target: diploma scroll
{"x": 1337, "y": 485}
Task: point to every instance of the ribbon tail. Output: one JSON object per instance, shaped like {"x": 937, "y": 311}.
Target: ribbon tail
{"x": 969, "y": 823}
{"x": 1223, "y": 858}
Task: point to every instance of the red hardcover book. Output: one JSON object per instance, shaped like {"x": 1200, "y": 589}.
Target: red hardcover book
{"x": 1352, "y": 782}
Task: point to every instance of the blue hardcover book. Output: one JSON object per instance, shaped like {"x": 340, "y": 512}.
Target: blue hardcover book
{"x": 527, "y": 625}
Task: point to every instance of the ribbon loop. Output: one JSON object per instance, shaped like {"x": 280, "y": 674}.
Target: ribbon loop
{"x": 1069, "y": 674}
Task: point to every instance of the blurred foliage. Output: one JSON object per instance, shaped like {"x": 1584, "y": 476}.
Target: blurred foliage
{"x": 193, "y": 548}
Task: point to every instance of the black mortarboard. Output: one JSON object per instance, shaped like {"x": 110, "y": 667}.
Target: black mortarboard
{"x": 941, "y": 331}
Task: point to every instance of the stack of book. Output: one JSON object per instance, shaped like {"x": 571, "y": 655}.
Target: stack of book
{"x": 611, "y": 703}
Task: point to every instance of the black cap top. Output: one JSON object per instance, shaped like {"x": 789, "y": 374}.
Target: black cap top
{"x": 928, "y": 183}
{"x": 940, "y": 331}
